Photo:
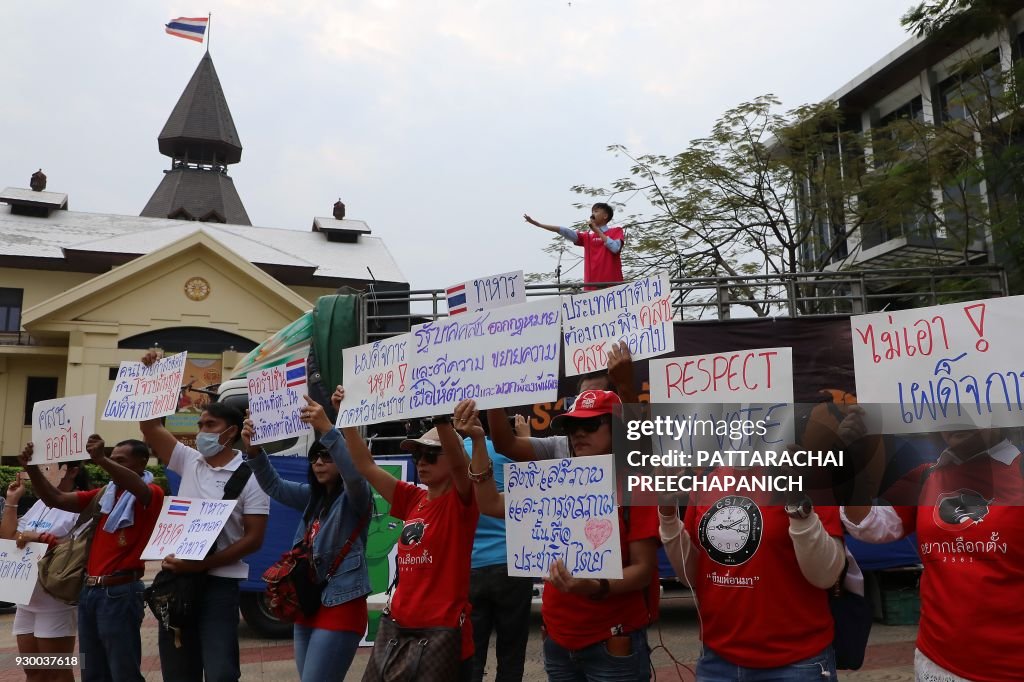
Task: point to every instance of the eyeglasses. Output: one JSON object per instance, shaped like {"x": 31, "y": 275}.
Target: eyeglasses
{"x": 428, "y": 454}
{"x": 588, "y": 425}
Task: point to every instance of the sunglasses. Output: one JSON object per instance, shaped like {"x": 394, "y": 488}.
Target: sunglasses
{"x": 428, "y": 454}
{"x": 588, "y": 425}
{"x": 322, "y": 455}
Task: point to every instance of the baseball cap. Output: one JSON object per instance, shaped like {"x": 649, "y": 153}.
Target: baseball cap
{"x": 588, "y": 404}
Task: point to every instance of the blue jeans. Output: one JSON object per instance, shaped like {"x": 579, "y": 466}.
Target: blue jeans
{"x": 713, "y": 668}
{"x": 110, "y": 633}
{"x": 211, "y": 647}
{"x": 322, "y": 655}
{"x": 595, "y": 664}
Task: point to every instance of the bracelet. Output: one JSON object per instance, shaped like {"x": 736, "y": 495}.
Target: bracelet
{"x": 602, "y": 590}
{"x": 481, "y": 477}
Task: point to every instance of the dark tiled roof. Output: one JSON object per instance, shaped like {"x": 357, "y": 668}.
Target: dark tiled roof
{"x": 197, "y": 195}
{"x": 200, "y": 126}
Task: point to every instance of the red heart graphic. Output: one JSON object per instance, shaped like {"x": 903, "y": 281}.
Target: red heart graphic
{"x": 598, "y": 531}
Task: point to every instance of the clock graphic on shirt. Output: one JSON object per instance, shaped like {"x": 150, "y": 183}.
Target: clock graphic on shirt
{"x": 730, "y": 530}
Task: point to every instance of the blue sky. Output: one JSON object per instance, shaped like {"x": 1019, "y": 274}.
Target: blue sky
{"x": 438, "y": 122}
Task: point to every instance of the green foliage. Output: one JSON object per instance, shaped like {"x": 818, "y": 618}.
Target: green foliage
{"x": 97, "y": 476}
{"x": 949, "y": 18}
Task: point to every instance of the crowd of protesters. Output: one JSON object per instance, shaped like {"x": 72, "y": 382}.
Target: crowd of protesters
{"x": 766, "y": 616}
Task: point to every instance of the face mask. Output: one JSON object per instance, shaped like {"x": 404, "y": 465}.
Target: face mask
{"x": 208, "y": 444}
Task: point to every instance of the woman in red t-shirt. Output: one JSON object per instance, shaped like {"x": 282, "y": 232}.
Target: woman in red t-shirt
{"x": 335, "y": 506}
{"x": 594, "y": 629}
{"x": 436, "y": 544}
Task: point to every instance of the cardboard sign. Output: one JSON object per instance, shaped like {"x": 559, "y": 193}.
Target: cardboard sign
{"x": 18, "y": 570}
{"x": 941, "y": 367}
{"x": 375, "y": 379}
{"x": 275, "y": 399}
{"x": 187, "y": 527}
{"x": 142, "y": 392}
{"x": 61, "y": 427}
{"x": 502, "y": 357}
{"x": 487, "y": 293}
{"x": 739, "y": 400}
{"x": 638, "y": 313}
{"x": 562, "y": 509}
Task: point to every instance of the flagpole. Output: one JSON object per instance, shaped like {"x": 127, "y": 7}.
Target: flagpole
{"x": 209, "y": 30}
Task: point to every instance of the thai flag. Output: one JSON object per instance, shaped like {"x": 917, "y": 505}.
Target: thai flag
{"x": 295, "y": 372}
{"x": 190, "y": 28}
{"x": 179, "y": 507}
{"x": 456, "y": 299}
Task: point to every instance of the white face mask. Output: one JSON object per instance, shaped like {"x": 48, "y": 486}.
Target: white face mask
{"x": 208, "y": 444}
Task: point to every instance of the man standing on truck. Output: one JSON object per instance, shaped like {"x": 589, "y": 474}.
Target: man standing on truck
{"x": 211, "y": 648}
{"x": 602, "y": 245}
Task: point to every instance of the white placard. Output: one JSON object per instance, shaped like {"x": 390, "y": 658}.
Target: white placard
{"x": 374, "y": 376}
{"x": 187, "y": 527}
{"x": 487, "y": 293}
{"x": 19, "y": 570}
{"x": 61, "y": 427}
{"x": 500, "y": 358}
{"x": 942, "y": 367}
{"x": 739, "y": 400}
{"x": 758, "y": 375}
{"x": 142, "y": 392}
{"x": 638, "y": 313}
{"x": 275, "y": 401}
{"x": 563, "y": 509}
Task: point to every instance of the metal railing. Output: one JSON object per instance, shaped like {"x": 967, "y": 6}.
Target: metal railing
{"x": 18, "y": 338}
{"x": 804, "y": 294}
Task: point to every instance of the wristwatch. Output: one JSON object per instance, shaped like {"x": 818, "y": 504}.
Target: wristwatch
{"x": 800, "y": 509}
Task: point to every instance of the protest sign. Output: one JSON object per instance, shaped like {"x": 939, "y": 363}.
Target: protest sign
{"x": 638, "y": 313}
{"x": 61, "y": 427}
{"x": 738, "y": 400}
{"x": 142, "y": 392}
{"x": 502, "y": 357}
{"x": 275, "y": 399}
{"x": 375, "y": 379}
{"x": 486, "y": 293}
{"x": 941, "y": 367}
{"x": 18, "y": 570}
{"x": 187, "y": 527}
{"x": 562, "y": 509}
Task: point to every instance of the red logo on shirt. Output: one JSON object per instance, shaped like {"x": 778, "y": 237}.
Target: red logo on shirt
{"x": 961, "y": 509}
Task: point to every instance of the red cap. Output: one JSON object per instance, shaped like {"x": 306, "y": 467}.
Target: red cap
{"x": 589, "y": 404}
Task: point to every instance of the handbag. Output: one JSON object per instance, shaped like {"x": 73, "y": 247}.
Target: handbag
{"x": 174, "y": 598}
{"x": 423, "y": 654}
{"x": 853, "y": 617}
{"x": 62, "y": 568}
{"x": 429, "y": 654}
{"x": 292, "y": 589}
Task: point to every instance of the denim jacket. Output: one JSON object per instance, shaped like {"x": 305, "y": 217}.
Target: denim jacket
{"x": 351, "y": 580}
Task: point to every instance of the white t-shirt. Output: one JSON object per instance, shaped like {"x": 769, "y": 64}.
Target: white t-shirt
{"x": 199, "y": 479}
{"x": 43, "y": 519}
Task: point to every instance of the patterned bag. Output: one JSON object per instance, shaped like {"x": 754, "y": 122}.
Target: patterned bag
{"x": 283, "y": 596}
{"x": 422, "y": 654}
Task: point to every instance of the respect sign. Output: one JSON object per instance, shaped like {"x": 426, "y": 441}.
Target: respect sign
{"x": 187, "y": 527}
{"x": 61, "y": 427}
{"x": 942, "y": 367}
{"x": 564, "y": 510}
{"x": 275, "y": 399}
{"x": 142, "y": 392}
{"x": 638, "y": 314}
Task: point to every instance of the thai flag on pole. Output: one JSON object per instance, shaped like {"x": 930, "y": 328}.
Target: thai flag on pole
{"x": 456, "y": 299}
{"x": 179, "y": 507}
{"x": 190, "y": 28}
{"x": 295, "y": 372}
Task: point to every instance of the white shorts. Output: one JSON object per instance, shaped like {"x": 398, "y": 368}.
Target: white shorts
{"x": 46, "y": 624}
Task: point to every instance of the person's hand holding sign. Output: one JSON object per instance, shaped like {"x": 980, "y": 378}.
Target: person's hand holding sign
{"x": 248, "y": 431}
{"x": 314, "y": 415}
{"x": 563, "y": 581}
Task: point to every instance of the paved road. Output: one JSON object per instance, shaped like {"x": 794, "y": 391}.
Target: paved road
{"x": 889, "y": 657}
